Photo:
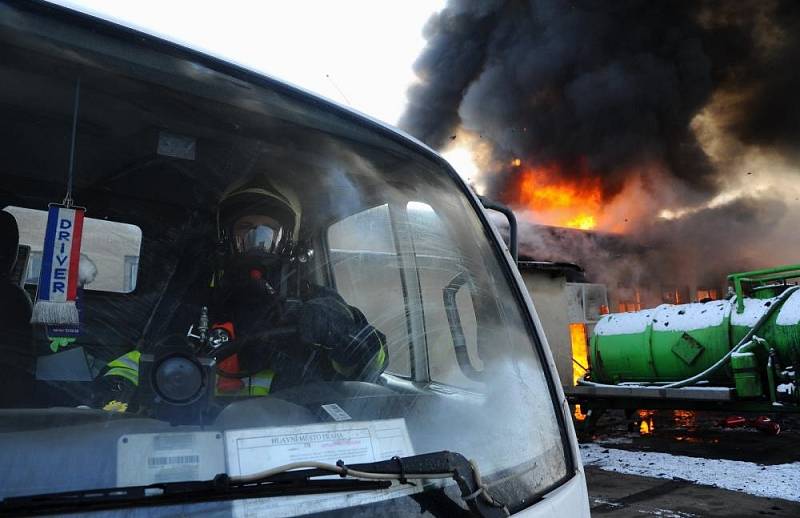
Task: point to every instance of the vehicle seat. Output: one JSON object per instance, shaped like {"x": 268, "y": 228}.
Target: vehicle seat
{"x": 17, "y": 360}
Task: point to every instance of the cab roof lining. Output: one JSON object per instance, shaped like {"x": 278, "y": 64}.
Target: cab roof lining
{"x": 130, "y": 95}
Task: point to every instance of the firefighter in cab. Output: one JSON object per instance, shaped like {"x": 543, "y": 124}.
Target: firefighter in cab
{"x": 291, "y": 331}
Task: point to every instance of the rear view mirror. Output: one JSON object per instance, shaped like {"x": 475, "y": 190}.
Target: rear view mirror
{"x": 512, "y": 223}
{"x": 109, "y": 250}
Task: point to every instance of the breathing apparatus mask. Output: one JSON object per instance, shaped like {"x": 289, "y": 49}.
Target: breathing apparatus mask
{"x": 256, "y": 235}
{"x": 256, "y": 226}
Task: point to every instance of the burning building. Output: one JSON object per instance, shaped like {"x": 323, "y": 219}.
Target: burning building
{"x": 665, "y": 131}
{"x": 616, "y": 261}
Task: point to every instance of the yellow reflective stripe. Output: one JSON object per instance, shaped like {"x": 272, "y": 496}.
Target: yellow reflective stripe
{"x": 375, "y": 363}
{"x": 258, "y": 385}
{"x": 261, "y": 383}
{"x": 380, "y": 359}
{"x": 126, "y": 366}
{"x": 341, "y": 369}
{"x": 129, "y": 374}
{"x": 128, "y": 360}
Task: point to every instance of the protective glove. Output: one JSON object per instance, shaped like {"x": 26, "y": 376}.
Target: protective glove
{"x": 113, "y": 394}
{"x": 326, "y": 322}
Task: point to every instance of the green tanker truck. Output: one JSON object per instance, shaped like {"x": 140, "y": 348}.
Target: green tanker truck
{"x": 739, "y": 353}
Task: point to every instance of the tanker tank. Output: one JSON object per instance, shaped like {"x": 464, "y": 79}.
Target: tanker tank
{"x": 749, "y": 342}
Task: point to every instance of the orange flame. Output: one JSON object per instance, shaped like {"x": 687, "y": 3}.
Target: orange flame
{"x": 580, "y": 359}
{"x": 580, "y": 351}
{"x": 565, "y": 203}
{"x": 685, "y": 419}
{"x": 647, "y": 424}
{"x": 583, "y": 222}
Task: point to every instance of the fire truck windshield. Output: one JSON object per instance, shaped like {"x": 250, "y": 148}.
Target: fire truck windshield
{"x": 211, "y": 272}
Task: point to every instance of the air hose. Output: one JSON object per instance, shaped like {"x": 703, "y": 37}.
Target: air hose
{"x": 744, "y": 342}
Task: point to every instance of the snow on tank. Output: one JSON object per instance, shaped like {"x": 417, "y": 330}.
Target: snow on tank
{"x": 623, "y": 323}
{"x": 789, "y": 314}
{"x": 689, "y": 317}
{"x": 698, "y": 315}
{"x": 754, "y": 309}
{"x": 667, "y": 317}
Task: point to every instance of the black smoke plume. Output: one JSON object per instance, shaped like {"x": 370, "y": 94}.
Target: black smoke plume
{"x": 616, "y": 83}
{"x": 616, "y": 86}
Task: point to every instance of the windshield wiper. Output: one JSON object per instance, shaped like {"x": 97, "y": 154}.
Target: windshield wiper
{"x": 169, "y": 493}
{"x": 290, "y": 479}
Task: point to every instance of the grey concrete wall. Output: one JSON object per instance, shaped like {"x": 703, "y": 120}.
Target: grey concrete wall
{"x": 549, "y": 298}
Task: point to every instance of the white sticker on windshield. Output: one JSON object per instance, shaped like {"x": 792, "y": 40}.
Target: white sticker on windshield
{"x": 149, "y": 458}
{"x": 253, "y": 450}
{"x": 336, "y": 412}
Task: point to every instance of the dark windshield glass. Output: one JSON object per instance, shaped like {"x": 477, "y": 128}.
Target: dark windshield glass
{"x": 298, "y": 286}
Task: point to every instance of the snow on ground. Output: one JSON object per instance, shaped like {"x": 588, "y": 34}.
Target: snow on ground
{"x": 773, "y": 481}
{"x": 663, "y": 513}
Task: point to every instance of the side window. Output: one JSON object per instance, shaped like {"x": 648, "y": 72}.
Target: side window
{"x": 131, "y": 272}
{"x": 34, "y": 267}
{"x": 444, "y": 281}
{"x": 366, "y": 270}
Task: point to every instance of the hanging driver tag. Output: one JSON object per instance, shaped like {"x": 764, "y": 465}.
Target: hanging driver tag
{"x": 61, "y": 253}
{"x": 58, "y": 279}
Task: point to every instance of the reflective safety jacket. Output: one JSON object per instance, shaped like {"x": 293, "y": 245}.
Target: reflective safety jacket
{"x": 259, "y": 384}
{"x": 335, "y": 342}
